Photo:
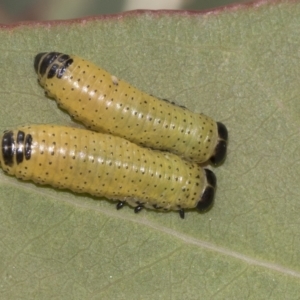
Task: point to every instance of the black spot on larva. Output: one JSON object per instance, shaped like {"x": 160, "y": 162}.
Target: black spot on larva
{"x": 207, "y": 196}
{"x": 222, "y": 131}
{"x": 63, "y": 67}
{"x": 211, "y": 178}
{"x": 221, "y": 147}
{"x": 52, "y": 71}
{"x": 55, "y": 61}
{"x": 206, "y": 199}
{"x": 28, "y": 142}
{"x": 37, "y": 60}
{"x": 63, "y": 58}
{"x": 43, "y": 60}
{"x": 8, "y": 148}
{"x": 20, "y": 144}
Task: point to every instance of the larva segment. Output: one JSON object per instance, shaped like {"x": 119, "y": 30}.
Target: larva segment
{"x": 104, "y": 165}
{"x": 105, "y": 103}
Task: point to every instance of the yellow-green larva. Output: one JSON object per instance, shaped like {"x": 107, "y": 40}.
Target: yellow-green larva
{"x": 105, "y": 103}
{"x": 105, "y": 165}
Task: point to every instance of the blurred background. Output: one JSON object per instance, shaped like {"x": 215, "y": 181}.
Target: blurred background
{"x": 23, "y": 10}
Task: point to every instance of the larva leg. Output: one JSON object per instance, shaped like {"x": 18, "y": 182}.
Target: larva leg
{"x": 138, "y": 208}
{"x": 120, "y": 205}
{"x": 181, "y": 213}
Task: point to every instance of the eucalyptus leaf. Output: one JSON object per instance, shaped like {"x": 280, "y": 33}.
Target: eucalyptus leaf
{"x": 239, "y": 65}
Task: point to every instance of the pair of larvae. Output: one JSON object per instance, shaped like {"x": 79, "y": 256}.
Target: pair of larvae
{"x": 108, "y": 160}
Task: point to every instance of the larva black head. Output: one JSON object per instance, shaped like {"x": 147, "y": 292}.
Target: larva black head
{"x": 15, "y": 146}
{"x": 8, "y": 148}
{"x": 43, "y": 60}
{"x": 221, "y": 148}
{"x": 50, "y": 64}
{"x": 208, "y": 195}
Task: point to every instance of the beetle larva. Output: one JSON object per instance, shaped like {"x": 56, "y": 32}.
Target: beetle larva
{"x": 104, "y": 165}
{"x": 105, "y": 103}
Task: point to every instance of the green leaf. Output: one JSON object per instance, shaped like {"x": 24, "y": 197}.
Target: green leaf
{"x": 240, "y": 65}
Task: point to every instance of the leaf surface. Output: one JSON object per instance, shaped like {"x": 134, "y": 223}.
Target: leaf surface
{"x": 240, "y": 65}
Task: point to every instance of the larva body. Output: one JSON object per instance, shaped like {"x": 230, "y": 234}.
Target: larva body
{"x": 106, "y": 104}
{"x": 104, "y": 165}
